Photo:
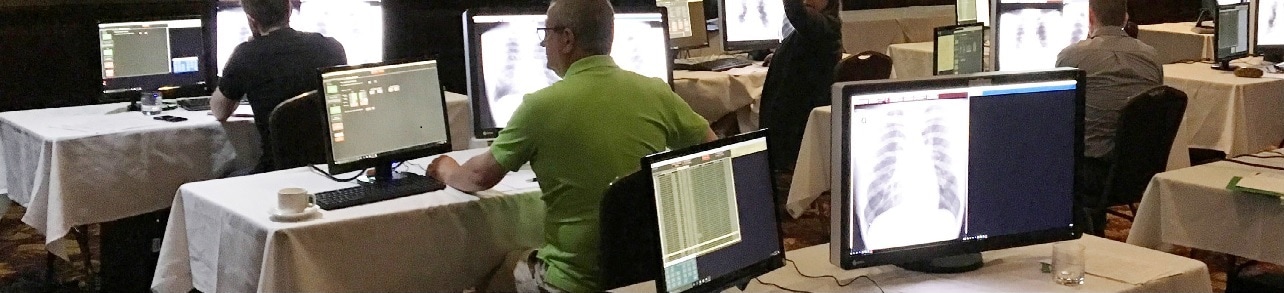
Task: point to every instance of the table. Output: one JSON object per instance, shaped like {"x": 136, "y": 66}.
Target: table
{"x": 811, "y": 172}
{"x": 715, "y": 95}
{"x": 1176, "y": 42}
{"x": 914, "y": 60}
{"x": 91, "y": 164}
{"x": 1232, "y": 114}
{"x": 1111, "y": 267}
{"x": 219, "y": 237}
{"x": 1191, "y": 207}
{"x": 875, "y": 29}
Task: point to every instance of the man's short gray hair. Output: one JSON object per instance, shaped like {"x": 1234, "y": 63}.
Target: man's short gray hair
{"x": 592, "y": 21}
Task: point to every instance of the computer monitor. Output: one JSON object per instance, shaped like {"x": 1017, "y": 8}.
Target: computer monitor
{"x": 929, "y": 172}
{"x": 716, "y": 214}
{"x": 148, "y": 55}
{"x": 382, "y": 113}
{"x": 1270, "y": 29}
{"x": 505, "y": 60}
{"x": 751, "y": 24}
{"x": 959, "y": 49}
{"x": 1231, "y": 34}
{"x": 972, "y": 11}
{"x": 686, "y": 23}
{"x": 357, "y": 24}
{"x": 1029, "y": 34}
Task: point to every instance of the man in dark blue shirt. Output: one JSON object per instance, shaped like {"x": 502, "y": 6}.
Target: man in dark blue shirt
{"x": 278, "y": 63}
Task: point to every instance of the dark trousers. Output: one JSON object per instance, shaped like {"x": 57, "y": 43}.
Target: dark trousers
{"x": 1091, "y": 216}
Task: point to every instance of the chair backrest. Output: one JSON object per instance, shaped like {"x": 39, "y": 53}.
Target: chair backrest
{"x": 297, "y": 129}
{"x": 1131, "y": 29}
{"x": 629, "y": 250}
{"x": 1147, "y": 126}
{"x": 868, "y": 65}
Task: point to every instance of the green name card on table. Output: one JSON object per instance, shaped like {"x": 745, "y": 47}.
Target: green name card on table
{"x": 1259, "y": 184}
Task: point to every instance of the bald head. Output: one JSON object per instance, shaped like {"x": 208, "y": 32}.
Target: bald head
{"x": 591, "y": 21}
{"x": 1109, "y": 12}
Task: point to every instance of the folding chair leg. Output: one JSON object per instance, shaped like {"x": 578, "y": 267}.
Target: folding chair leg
{"x": 51, "y": 275}
{"x": 81, "y": 233}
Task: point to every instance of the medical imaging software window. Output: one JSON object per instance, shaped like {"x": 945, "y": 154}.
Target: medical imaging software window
{"x": 679, "y": 17}
{"x": 362, "y": 105}
{"x": 514, "y": 64}
{"x": 147, "y": 48}
{"x": 698, "y": 211}
{"x": 909, "y": 170}
{"x": 751, "y": 20}
{"x": 1031, "y": 38}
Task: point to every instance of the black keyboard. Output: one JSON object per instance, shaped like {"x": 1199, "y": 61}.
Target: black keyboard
{"x": 714, "y": 65}
{"x": 375, "y": 192}
{"x": 195, "y": 104}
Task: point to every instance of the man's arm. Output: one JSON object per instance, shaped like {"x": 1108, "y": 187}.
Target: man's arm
{"x": 479, "y": 173}
{"x": 709, "y": 135}
{"x": 221, "y": 106}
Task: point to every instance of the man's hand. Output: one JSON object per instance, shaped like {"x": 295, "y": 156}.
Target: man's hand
{"x": 441, "y": 167}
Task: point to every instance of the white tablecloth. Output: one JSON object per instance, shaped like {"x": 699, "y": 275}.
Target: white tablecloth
{"x": 1192, "y": 207}
{"x": 1176, "y": 42}
{"x": 219, "y": 237}
{"x": 1232, "y": 114}
{"x": 714, "y": 95}
{"x": 875, "y": 29}
{"x": 811, "y": 172}
{"x": 1111, "y": 267}
{"x": 80, "y": 165}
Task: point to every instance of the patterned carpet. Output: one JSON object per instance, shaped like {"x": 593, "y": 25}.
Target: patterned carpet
{"x": 22, "y": 254}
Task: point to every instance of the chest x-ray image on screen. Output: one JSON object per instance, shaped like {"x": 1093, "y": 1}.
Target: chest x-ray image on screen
{"x": 357, "y": 24}
{"x": 1270, "y": 22}
{"x": 507, "y": 50}
{"x": 915, "y": 190}
{"x": 752, "y": 24}
{"x": 1030, "y": 34}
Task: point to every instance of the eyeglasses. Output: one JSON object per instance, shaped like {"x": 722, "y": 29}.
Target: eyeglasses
{"x": 542, "y": 32}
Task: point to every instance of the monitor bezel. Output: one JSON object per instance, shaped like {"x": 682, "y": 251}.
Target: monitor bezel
{"x": 758, "y": 268}
{"x": 729, "y": 45}
{"x": 398, "y": 155}
{"x": 996, "y": 25}
{"x": 840, "y": 246}
{"x": 207, "y": 68}
{"x": 476, "y": 82}
{"x": 936, "y": 42}
{"x": 1217, "y": 33}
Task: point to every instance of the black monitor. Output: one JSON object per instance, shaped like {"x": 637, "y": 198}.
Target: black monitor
{"x": 751, "y": 24}
{"x": 686, "y": 23}
{"x": 1270, "y": 30}
{"x": 1030, "y": 34}
{"x": 357, "y": 24}
{"x": 505, "y": 60}
{"x": 1231, "y": 34}
{"x": 149, "y": 55}
{"x": 972, "y": 11}
{"x": 959, "y": 49}
{"x": 383, "y": 113}
{"x": 716, "y": 214}
{"x": 930, "y": 172}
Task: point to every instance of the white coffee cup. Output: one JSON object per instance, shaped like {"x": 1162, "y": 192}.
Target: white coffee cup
{"x": 293, "y": 200}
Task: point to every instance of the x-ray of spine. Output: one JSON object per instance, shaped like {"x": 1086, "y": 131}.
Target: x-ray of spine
{"x": 1270, "y": 22}
{"x": 1031, "y": 38}
{"x": 752, "y": 20}
{"x": 357, "y": 24}
{"x": 909, "y": 165}
{"x": 514, "y": 64}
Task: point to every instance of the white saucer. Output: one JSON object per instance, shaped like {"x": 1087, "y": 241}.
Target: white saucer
{"x": 308, "y": 213}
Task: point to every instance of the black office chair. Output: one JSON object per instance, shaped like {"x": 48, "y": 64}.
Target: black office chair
{"x": 298, "y": 132}
{"x": 868, "y": 65}
{"x": 1131, "y": 29}
{"x": 629, "y": 250}
{"x": 1147, "y": 126}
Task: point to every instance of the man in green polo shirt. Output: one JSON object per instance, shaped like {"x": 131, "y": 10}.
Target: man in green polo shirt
{"x": 578, "y": 134}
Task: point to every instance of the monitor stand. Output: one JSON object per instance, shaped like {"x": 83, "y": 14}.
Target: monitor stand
{"x": 384, "y": 174}
{"x": 1223, "y": 65}
{"x": 947, "y": 265}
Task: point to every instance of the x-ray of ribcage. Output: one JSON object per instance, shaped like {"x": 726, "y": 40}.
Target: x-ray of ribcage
{"x": 1031, "y": 38}
{"x": 750, "y": 20}
{"x": 909, "y": 164}
{"x": 1270, "y": 22}
{"x": 514, "y": 64}
{"x": 357, "y": 24}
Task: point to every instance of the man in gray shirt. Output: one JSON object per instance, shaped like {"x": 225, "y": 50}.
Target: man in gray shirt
{"x": 1118, "y": 68}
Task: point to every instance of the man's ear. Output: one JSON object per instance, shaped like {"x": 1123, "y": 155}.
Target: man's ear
{"x": 568, "y": 43}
